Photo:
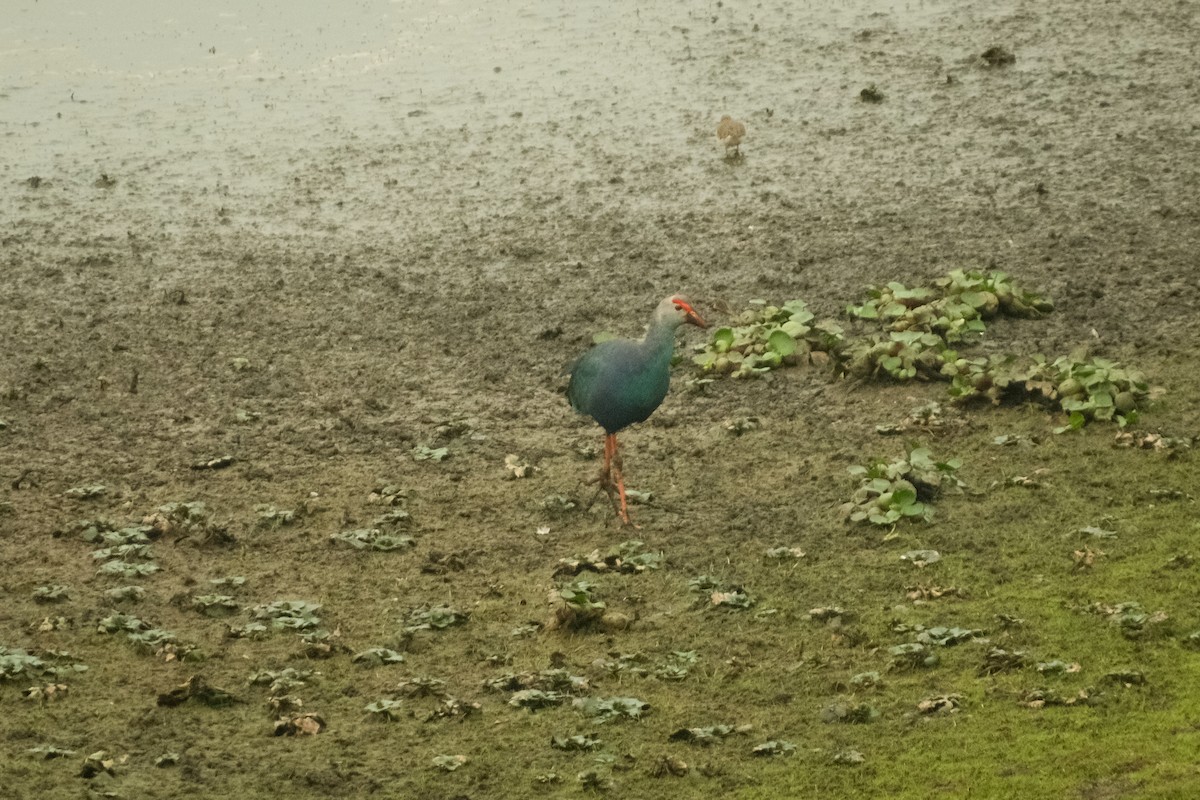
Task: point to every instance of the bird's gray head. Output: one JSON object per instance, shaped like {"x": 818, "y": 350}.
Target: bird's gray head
{"x": 676, "y": 310}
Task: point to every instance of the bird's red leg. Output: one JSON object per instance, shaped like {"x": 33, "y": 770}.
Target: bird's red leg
{"x": 606, "y": 470}
{"x": 612, "y": 481}
{"x": 623, "y": 508}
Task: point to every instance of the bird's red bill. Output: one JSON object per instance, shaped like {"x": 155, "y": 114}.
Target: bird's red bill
{"x": 692, "y": 316}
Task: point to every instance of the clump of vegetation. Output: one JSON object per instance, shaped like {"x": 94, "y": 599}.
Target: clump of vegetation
{"x": 773, "y": 747}
{"x": 952, "y": 303}
{"x": 912, "y": 655}
{"x": 940, "y": 704}
{"x": 901, "y": 489}
{"x": 145, "y": 638}
{"x": 767, "y": 337}
{"x": 125, "y": 593}
{"x": 574, "y": 606}
{"x": 195, "y": 688}
{"x": 426, "y": 453}
{"x": 534, "y": 699}
{"x": 922, "y": 323}
{"x": 384, "y": 709}
{"x": 547, "y": 680}
{"x": 849, "y": 713}
{"x": 281, "y": 681}
{"x": 579, "y": 742}
{"x": 702, "y": 736}
{"x": 925, "y": 328}
{"x": 718, "y": 595}
{"x": 215, "y": 605}
{"x": 14, "y": 663}
{"x": 436, "y": 618}
{"x": 103, "y": 531}
{"x": 122, "y": 560}
{"x": 449, "y": 763}
{"x": 1085, "y": 388}
{"x": 674, "y": 666}
{"x": 606, "y": 709}
{"x": 288, "y": 614}
{"x": 179, "y": 517}
{"x": 88, "y": 492}
{"x": 372, "y": 539}
{"x": 943, "y": 636}
{"x": 1130, "y": 617}
{"x": 54, "y": 593}
{"x": 627, "y": 557}
{"x": 377, "y": 657}
{"x": 271, "y": 517}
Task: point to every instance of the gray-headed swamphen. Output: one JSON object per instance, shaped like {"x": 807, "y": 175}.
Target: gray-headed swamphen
{"x": 621, "y": 381}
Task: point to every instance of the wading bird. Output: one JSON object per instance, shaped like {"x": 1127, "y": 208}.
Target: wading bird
{"x": 621, "y": 381}
{"x": 730, "y": 132}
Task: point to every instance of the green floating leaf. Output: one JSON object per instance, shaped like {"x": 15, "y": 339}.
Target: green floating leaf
{"x": 779, "y": 341}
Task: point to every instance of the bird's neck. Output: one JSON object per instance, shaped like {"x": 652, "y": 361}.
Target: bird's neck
{"x": 660, "y": 340}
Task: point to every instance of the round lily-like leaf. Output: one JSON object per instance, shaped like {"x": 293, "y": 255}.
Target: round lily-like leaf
{"x": 781, "y": 343}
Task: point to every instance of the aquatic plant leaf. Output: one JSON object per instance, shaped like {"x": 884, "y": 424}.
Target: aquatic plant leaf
{"x": 377, "y": 657}
{"x": 606, "y": 709}
{"x": 774, "y": 747}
